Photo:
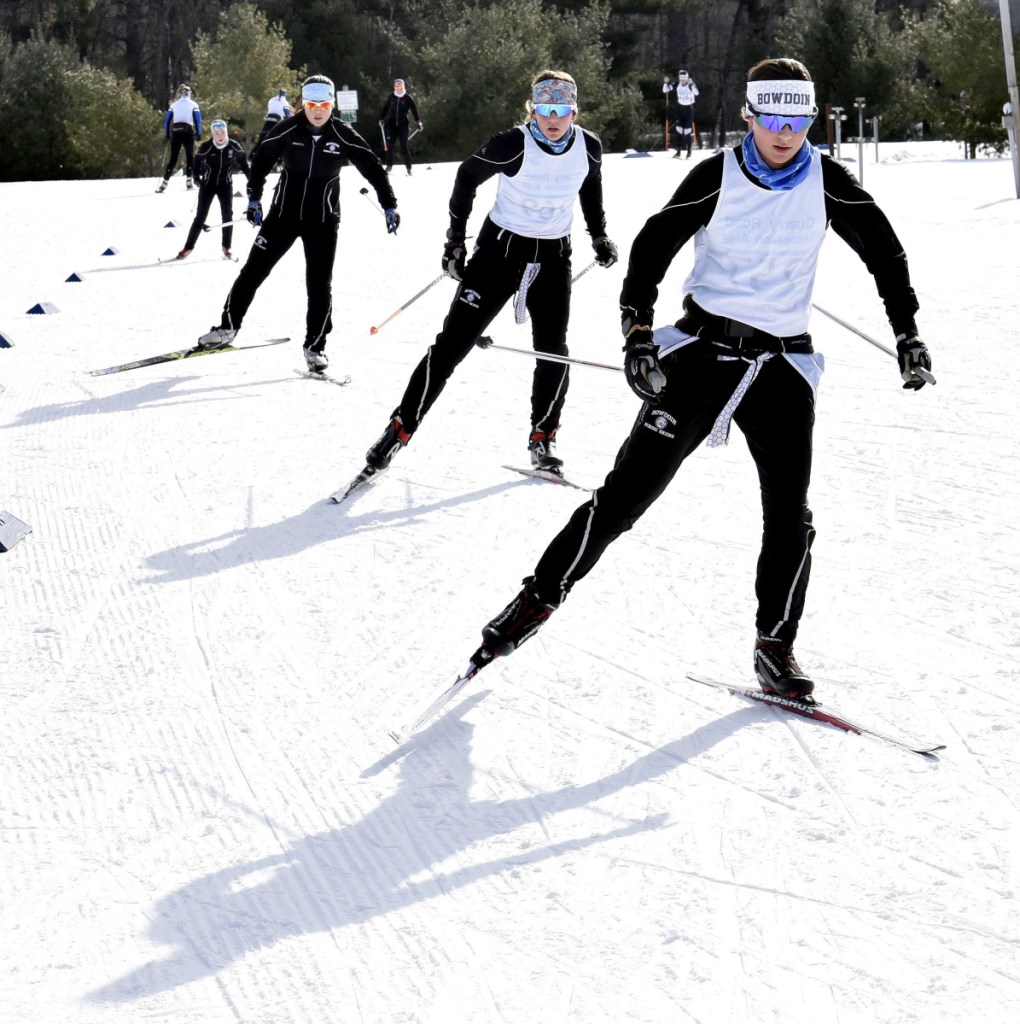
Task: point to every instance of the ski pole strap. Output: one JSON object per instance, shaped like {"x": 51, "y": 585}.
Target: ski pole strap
{"x": 735, "y": 334}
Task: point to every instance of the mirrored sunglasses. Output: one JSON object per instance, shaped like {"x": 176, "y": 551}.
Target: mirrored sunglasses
{"x": 554, "y": 109}
{"x": 776, "y": 122}
{"x": 324, "y": 105}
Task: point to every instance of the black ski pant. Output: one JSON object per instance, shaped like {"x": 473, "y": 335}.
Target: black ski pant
{"x": 181, "y": 138}
{"x": 491, "y": 278}
{"x": 776, "y": 416}
{"x": 273, "y": 241}
{"x": 394, "y": 134}
{"x": 683, "y": 127}
{"x": 224, "y": 192}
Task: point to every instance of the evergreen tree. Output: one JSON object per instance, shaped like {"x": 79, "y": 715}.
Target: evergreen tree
{"x": 243, "y": 62}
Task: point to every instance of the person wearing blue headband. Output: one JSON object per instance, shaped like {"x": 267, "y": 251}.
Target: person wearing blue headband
{"x": 741, "y": 353}
{"x": 311, "y": 147}
{"x": 215, "y": 163}
{"x": 523, "y": 247}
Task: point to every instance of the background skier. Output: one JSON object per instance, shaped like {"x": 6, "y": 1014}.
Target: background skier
{"x": 215, "y": 163}
{"x": 394, "y": 121}
{"x": 312, "y": 146}
{"x": 182, "y": 125}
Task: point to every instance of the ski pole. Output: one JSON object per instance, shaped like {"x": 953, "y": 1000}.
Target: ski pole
{"x": 581, "y": 273}
{"x": 924, "y": 374}
{"x": 413, "y": 134}
{"x": 486, "y": 342}
{"x": 226, "y": 223}
{"x": 382, "y": 132}
{"x": 414, "y": 298}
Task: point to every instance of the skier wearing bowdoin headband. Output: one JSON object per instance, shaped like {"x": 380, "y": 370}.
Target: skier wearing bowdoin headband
{"x": 740, "y": 353}
{"x": 523, "y": 246}
{"x": 312, "y": 146}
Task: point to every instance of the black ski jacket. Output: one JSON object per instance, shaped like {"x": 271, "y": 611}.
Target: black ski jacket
{"x": 309, "y": 185}
{"x": 395, "y": 110}
{"x": 214, "y": 167}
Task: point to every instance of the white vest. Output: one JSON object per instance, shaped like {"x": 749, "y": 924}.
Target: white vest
{"x": 277, "y": 107}
{"x": 756, "y": 259}
{"x": 538, "y": 202}
{"x": 183, "y": 110}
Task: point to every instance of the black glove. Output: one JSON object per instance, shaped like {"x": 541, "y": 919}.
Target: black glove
{"x": 392, "y": 220}
{"x": 453, "y": 256}
{"x": 606, "y": 253}
{"x": 641, "y": 364}
{"x": 914, "y": 360}
{"x": 254, "y": 213}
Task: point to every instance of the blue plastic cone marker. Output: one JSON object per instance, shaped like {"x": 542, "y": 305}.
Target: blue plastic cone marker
{"x": 43, "y": 307}
{"x": 6, "y": 342}
{"x": 12, "y": 530}
{"x": 73, "y": 277}
{"x": 110, "y": 252}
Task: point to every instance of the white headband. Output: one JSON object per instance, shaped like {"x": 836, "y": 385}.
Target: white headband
{"x": 782, "y": 97}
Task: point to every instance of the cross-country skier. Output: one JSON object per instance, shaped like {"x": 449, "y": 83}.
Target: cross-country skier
{"x": 182, "y": 125}
{"x": 312, "y": 145}
{"x": 740, "y": 353}
{"x": 683, "y": 120}
{"x": 393, "y": 120}
{"x": 215, "y": 163}
{"x": 523, "y": 246}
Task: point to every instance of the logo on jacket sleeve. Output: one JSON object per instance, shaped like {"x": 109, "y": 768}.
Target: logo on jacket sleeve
{"x": 470, "y": 297}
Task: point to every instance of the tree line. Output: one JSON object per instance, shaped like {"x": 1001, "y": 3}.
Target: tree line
{"x": 84, "y": 84}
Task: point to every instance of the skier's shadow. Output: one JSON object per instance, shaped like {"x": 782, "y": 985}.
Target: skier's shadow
{"x": 163, "y": 392}
{"x": 393, "y": 857}
{"x": 317, "y": 524}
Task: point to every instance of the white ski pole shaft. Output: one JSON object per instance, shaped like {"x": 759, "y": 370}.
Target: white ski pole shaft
{"x": 924, "y": 374}
{"x": 486, "y": 342}
{"x": 577, "y": 277}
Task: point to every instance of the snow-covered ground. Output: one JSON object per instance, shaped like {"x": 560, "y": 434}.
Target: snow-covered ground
{"x": 203, "y": 819}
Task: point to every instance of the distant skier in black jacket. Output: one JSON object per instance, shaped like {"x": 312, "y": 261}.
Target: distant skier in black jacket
{"x": 394, "y": 122}
{"x": 312, "y": 145}
{"x": 215, "y": 163}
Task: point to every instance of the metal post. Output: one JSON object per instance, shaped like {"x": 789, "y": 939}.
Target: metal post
{"x": 837, "y": 116}
{"x": 874, "y": 126}
{"x": 859, "y": 104}
{"x": 1014, "y": 99}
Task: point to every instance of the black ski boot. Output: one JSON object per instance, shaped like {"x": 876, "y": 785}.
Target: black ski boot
{"x": 393, "y": 438}
{"x": 778, "y": 671}
{"x": 517, "y": 622}
{"x": 541, "y": 447}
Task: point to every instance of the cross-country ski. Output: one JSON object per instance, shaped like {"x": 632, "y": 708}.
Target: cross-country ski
{"x": 182, "y": 353}
{"x": 818, "y": 713}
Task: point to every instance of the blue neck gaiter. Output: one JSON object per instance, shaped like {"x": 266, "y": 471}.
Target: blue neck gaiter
{"x": 556, "y": 147}
{"x": 783, "y": 179}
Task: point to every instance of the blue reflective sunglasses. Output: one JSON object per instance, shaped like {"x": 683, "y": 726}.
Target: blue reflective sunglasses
{"x": 554, "y": 109}
{"x": 775, "y": 122}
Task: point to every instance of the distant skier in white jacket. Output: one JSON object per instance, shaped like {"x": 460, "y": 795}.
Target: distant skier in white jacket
{"x": 683, "y": 117}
